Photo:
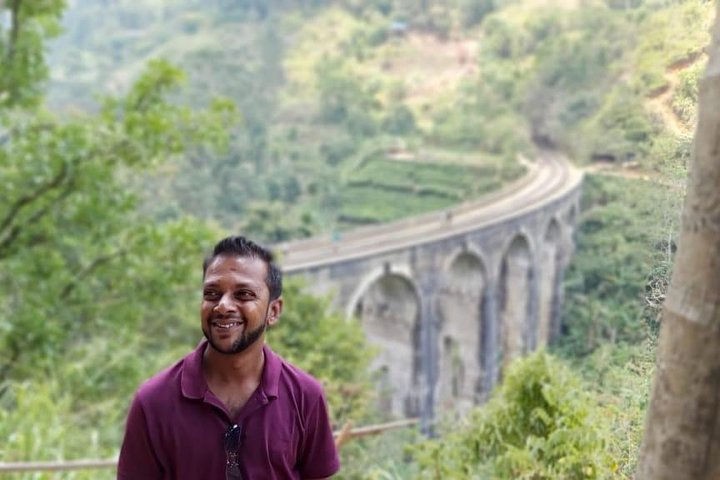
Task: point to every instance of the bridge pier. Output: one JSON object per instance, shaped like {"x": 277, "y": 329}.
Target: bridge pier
{"x": 428, "y": 355}
{"x": 490, "y": 353}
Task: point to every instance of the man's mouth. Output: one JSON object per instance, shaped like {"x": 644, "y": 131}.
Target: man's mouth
{"x": 226, "y": 325}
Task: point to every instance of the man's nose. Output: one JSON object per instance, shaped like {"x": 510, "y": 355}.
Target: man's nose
{"x": 226, "y": 304}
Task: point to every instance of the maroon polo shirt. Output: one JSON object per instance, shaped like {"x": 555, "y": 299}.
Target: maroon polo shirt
{"x": 176, "y": 425}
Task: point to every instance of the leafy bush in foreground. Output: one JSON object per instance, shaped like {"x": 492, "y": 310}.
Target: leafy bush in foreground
{"x": 539, "y": 424}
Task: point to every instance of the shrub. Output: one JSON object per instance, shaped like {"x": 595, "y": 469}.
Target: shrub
{"x": 539, "y": 424}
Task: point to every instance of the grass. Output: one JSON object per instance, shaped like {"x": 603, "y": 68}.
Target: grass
{"x": 416, "y": 175}
{"x": 363, "y": 205}
{"x": 382, "y": 190}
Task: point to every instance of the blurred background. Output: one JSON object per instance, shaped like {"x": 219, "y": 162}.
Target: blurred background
{"x": 135, "y": 134}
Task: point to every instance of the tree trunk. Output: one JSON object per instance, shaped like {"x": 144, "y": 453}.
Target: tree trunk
{"x": 682, "y": 428}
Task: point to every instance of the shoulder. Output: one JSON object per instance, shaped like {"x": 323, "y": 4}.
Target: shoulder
{"x": 298, "y": 379}
{"x": 162, "y": 386}
{"x": 182, "y": 379}
{"x": 293, "y": 384}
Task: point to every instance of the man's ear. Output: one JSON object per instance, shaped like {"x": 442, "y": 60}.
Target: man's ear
{"x": 274, "y": 311}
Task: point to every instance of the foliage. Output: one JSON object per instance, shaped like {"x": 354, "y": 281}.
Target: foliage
{"x": 685, "y": 99}
{"x": 622, "y": 237}
{"x": 620, "y": 130}
{"x": 621, "y": 377}
{"x": 68, "y": 224}
{"x": 473, "y": 12}
{"x": 669, "y": 38}
{"x": 380, "y": 457}
{"x": 539, "y": 424}
{"x": 78, "y": 261}
{"x": 399, "y": 120}
{"x": 270, "y": 222}
{"x": 39, "y": 423}
{"x": 344, "y": 98}
{"x": 22, "y": 56}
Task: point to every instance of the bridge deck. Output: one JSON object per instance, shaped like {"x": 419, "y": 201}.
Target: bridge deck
{"x": 549, "y": 177}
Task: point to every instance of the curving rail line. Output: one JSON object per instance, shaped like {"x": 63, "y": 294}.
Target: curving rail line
{"x": 549, "y": 178}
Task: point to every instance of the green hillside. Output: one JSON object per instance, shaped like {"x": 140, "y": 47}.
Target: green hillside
{"x": 325, "y": 87}
{"x": 349, "y": 112}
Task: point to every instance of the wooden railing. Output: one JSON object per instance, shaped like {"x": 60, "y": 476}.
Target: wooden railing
{"x": 342, "y": 436}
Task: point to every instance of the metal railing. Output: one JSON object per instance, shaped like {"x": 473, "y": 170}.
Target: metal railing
{"x": 342, "y": 436}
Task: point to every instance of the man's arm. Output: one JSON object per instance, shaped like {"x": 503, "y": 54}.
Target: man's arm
{"x": 137, "y": 455}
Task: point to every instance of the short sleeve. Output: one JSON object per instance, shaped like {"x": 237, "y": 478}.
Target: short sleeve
{"x": 318, "y": 455}
{"x": 137, "y": 456}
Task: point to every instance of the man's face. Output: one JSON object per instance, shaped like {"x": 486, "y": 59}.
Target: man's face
{"x": 236, "y": 309}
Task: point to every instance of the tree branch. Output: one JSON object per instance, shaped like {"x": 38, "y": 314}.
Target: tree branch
{"x": 14, "y": 29}
{"x": 14, "y": 231}
{"x": 101, "y": 260}
{"x": 7, "y": 135}
{"x": 29, "y": 198}
{"x": 7, "y": 365}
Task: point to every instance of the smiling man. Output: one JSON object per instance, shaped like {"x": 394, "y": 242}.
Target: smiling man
{"x": 231, "y": 409}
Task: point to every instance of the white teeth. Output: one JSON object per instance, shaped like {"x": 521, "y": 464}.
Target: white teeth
{"x": 227, "y": 325}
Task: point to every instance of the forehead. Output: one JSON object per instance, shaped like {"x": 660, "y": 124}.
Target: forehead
{"x": 235, "y": 270}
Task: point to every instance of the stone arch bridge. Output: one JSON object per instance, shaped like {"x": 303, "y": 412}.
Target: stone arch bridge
{"x": 451, "y": 297}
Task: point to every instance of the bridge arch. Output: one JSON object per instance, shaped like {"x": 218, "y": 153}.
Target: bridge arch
{"x": 373, "y": 276}
{"x": 516, "y": 292}
{"x": 389, "y": 309}
{"x": 549, "y": 281}
{"x": 461, "y": 312}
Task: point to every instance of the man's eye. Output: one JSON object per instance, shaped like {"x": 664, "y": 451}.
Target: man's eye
{"x": 244, "y": 295}
{"x": 211, "y": 295}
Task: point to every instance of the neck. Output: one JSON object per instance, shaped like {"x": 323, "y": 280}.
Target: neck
{"x": 237, "y": 368}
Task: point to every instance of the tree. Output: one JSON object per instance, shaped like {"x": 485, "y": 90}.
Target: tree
{"x": 86, "y": 281}
{"x": 73, "y": 249}
{"x": 22, "y": 61}
{"x": 682, "y": 438}
{"x": 344, "y": 98}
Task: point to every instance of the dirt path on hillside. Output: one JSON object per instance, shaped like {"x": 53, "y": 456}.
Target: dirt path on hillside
{"x": 634, "y": 174}
{"x": 661, "y": 101}
{"x": 623, "y": 172}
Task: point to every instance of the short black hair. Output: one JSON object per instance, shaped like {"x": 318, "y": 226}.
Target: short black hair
{"x": 239, "y": 246}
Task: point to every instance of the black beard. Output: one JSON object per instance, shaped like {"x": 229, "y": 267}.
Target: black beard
{"x": 242, "y": 343}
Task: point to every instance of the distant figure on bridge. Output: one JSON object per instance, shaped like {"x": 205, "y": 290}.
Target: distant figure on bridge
{"x": 232, "y": 408}
{"x": 335, "y": 237}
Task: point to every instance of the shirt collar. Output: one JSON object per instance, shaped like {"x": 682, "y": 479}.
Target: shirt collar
{"x": 192, "y": 381}
{"x": 271, "y": 372}
{"x": 193, "y": 384}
